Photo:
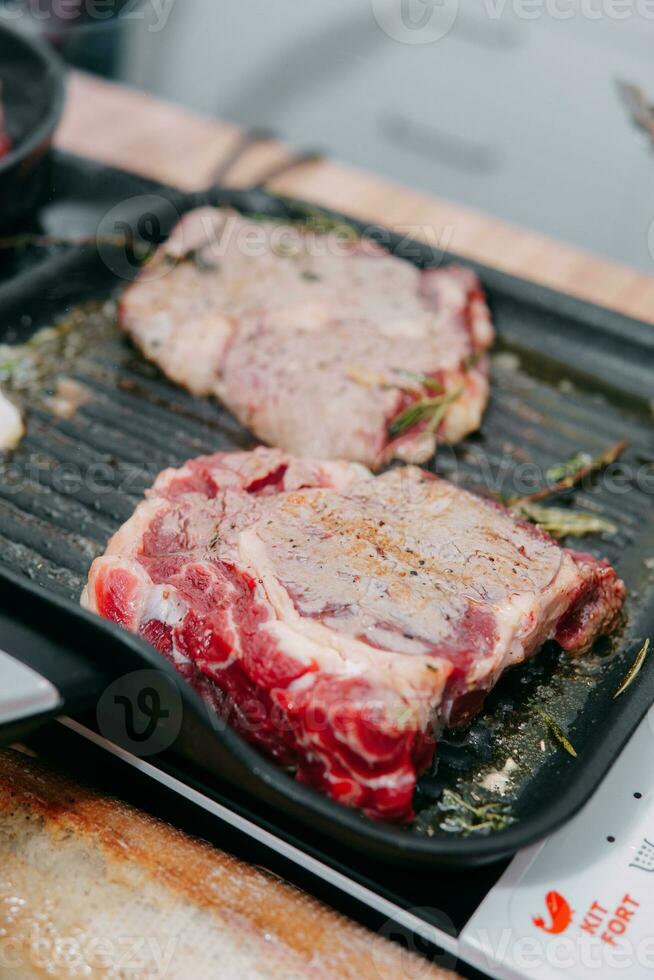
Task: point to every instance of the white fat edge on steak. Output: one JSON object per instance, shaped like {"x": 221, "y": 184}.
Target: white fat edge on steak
{"x": 256, "y": 464}
{"x": 138, "y": 597}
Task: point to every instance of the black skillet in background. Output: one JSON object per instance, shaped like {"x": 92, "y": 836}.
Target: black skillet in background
{"x": 33, "y": 94}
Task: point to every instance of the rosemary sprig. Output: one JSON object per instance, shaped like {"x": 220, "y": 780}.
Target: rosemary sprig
{"x": 572, "y": 466}
{"x": 557, "y": 732}
{"x": 572, "y": 479}
{"x": 634, "y": 670}
{"x": 430, "y": 409}
{"x": 560, "y": 522}
{"x": 485, "y": 816}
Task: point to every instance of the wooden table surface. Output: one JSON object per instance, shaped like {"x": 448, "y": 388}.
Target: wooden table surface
{"x": 133, "y": 130}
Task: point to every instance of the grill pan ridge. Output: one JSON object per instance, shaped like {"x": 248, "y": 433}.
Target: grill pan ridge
{"x": 583, "y": 380}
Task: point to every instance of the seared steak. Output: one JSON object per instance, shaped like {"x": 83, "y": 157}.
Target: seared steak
{"x": 340, "y": 618}
{"x": 317, "y": 342}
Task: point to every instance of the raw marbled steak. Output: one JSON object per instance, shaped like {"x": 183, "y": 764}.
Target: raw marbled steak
{"x": 317, "y": 343}
{"x": 338, "y": 618}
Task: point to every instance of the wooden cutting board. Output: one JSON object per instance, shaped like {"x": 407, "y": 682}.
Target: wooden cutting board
{"x": 90, "y": 887}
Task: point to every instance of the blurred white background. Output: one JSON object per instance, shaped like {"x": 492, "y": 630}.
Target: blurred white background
{"x": 514, "y": 116}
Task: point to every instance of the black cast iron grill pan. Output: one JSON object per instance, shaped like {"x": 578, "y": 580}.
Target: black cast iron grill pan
{"x": 569, "y": 377}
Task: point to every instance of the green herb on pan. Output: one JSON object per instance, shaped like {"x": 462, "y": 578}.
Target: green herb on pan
{"x": 560, "y": 521}
{"x": 468, "y": 818}
{"x": 309, "y": 276}
{"x": 8, "y": 367}
{"x": 634, "y": 670}
{"x": 431, "y": 410}
{"x": 571, "y": 467}
{"x": 557, "y": 732}
{"x": 570, "y": 480}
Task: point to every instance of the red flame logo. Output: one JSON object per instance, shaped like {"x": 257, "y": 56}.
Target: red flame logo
{"x": 560, "y": 913}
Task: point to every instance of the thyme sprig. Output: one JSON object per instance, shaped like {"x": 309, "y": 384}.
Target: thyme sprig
{"x": 558, "y": 521}
{"x": 634, "y": 670}
{"x": 557, "y": 732}
{"x": 560, "y": 471}
{"x": 571, "y": 479}
{"x": 468, "y": 818}
{"x": 561, "y": 522}
{"x": 431, "y": 410}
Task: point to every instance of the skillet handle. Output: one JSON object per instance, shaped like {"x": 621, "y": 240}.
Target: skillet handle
{"x": 27, "y": 700}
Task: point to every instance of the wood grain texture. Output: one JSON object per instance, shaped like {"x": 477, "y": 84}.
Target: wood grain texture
{"x": 138, "y": 132}
{"x": 90, "y": 887}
